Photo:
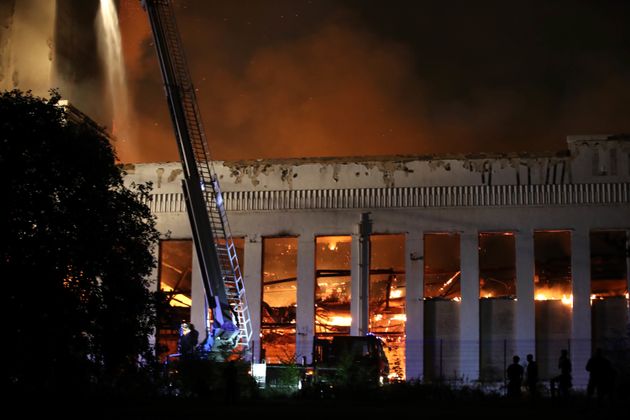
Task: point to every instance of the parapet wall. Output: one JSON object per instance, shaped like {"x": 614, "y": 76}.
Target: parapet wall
{"x": 589, "y": 160}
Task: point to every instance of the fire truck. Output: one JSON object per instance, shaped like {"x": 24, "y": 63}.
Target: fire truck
{"x": 223, "y": 283}
{"x": 348, "y": 360}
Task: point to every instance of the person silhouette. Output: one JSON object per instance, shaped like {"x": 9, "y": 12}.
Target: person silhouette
{"x": 601, "y": 375}
{"x": 515, "y": 378}
{"x": 188, "y": 340}
{"x": 563, "y": 382}
{"x": 531, "y": 376}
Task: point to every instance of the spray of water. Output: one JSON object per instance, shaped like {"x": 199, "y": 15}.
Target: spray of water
{"x": 110, "y": 49}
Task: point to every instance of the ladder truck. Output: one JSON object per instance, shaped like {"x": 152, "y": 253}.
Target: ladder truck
{"x": 220, "y": 271}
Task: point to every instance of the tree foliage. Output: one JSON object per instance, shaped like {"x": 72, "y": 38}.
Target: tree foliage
{"x": 75, "y": 252}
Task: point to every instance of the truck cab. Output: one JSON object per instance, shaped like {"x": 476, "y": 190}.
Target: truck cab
{"x": 349, "y": 359}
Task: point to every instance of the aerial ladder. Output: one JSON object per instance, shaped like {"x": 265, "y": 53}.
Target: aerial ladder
{"x": 220, "y": 271}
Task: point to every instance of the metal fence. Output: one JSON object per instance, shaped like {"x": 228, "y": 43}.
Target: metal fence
{"x": 485, "y": 362}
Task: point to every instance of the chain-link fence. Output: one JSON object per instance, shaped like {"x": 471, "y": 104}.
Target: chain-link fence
{"x": 485, "y": 362}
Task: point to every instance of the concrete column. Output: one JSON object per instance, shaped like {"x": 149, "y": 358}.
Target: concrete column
{"x": 525, "y": 319}
{"x": 469, "y": 311}
{"x": 154, "y": 277}
{"x": 199, "y": 306}
{"x": 252, "y": 278}
{"x": 355, "y": 287}
{"x": 581, "y": 318}
{"x": 305, "y": 322}
{"x": 365, "y": 232}
{"x": 414, "y": 305}
{"x": 154, "y": 284}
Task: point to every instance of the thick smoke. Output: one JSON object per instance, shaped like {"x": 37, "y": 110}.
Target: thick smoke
{"x": 337, "y": 91}
{"x": 294, "y": 79}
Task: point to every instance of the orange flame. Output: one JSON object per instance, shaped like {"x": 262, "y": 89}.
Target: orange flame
{"x": 554, "y": 294}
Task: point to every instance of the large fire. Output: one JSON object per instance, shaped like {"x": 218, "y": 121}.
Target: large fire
{"x": 177, "y": 299}
{"x": 449, "y": 281}
{"x": 333, "y": 281}
{"x": 332, "y": 242}
{"x": 396, "y": 293}
{"x": 566, "y": 299}
{"x": 551, "y": 293}
{"x": 341, "y": 321}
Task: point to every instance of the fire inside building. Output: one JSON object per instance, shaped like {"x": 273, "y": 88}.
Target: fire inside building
{"x": 456, "y": 262}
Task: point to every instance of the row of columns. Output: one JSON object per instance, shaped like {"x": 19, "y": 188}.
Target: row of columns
{"x": 525, "y": 323}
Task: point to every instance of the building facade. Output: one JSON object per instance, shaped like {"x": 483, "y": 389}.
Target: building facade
{"x": 457, "y": 262}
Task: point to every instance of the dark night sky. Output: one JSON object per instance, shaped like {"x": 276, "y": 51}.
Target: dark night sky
{"x": 295, "y": 78}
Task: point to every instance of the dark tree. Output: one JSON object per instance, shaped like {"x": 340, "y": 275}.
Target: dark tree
{"x": 75, "y": 252}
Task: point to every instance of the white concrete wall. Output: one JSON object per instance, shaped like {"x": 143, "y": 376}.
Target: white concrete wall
{"x": 599, "y": 158}
{"x": 26, "y": 45}
{"x": 412, "y": 221}
{"x": 573, "y": 166}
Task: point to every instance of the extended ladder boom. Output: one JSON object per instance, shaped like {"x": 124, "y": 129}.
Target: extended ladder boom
{"x": 223, "y": 282}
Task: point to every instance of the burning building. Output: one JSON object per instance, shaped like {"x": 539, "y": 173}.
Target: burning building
{"x": 457, "y": 262}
